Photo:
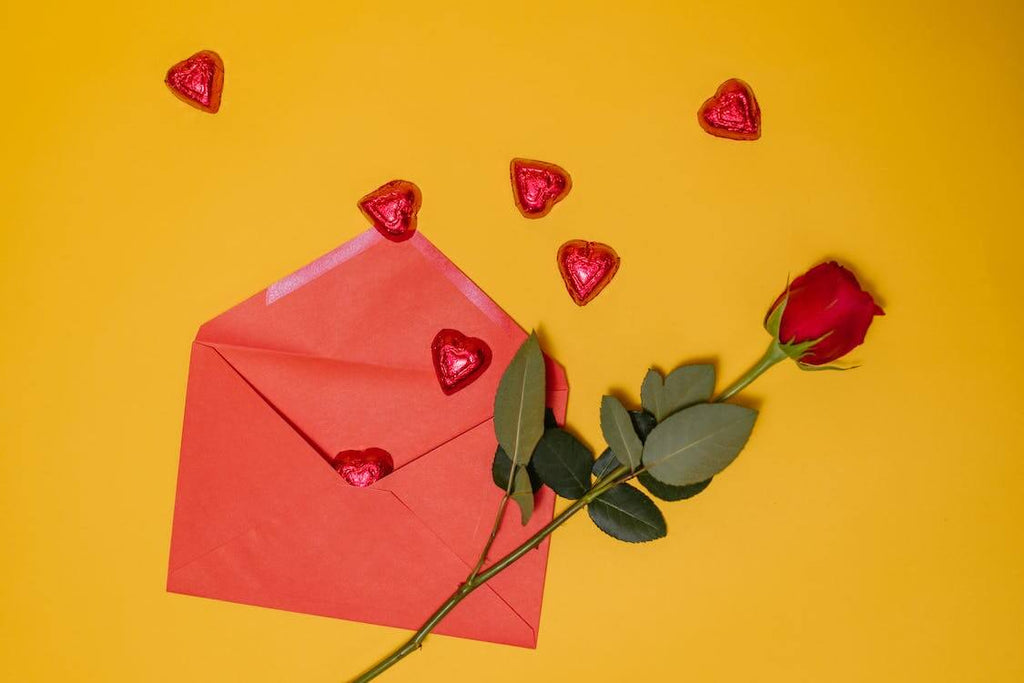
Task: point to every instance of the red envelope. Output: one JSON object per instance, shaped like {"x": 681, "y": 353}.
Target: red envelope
{"x": 337, "y": 357}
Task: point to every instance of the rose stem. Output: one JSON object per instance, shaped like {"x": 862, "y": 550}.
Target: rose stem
{"x": 773, "y": 355}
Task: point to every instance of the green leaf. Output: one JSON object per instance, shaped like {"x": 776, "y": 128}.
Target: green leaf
{"x": 697, "y": 443}
{"x": 549, "y": 419}
{"x": 643, "y": 423}
{"x": 563, "y": 463}
{"x": 519, "y": 403}
{"x": 625, "y": 513}
{"x": 686, "y": 386}
{"x": 652, "y": 393}
{"x": 605, "y": 463}
{"x": 619, "y": 433}
{"x": 501, "y": 469}
{"x": 668, "y": 492}
{"x": 522, "y": 494}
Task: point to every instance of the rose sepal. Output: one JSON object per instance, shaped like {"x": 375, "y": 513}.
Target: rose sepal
{"x": 807, "y": 367}
{"x": 773, "y": 322}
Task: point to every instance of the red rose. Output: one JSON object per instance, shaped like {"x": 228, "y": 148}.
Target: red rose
{"x": 825, "y": 316}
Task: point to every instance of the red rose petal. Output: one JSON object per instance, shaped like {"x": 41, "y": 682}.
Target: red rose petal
{"x": 732, "y": 113}
{"x": 362, "y": 468}
{"x": 586, "y": 268}
{"x": 537, "y": 186}
{"x": 458, "y": 360}
{"x": 827, "y": 304}
{"x": 392, "y": 209}
{"x": 198, "y": 80}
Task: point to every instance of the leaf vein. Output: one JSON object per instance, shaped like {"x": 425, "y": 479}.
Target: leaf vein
{"x": 629, "y": 514}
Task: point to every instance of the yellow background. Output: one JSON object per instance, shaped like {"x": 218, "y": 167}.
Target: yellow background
{"x": 872, "y": 529}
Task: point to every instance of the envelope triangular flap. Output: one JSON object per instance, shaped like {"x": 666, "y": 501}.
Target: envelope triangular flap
{"x": 342, "y": 347}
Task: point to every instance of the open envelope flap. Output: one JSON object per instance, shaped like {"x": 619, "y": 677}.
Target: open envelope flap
{"x": 261, "y": 519}
{"x": 342, "y": 347}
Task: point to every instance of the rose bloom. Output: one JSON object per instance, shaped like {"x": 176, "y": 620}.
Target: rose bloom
{"x": 826, "y": 304}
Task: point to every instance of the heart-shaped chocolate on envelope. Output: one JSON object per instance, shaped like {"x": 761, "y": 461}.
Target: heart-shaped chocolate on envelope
{"x": 362, "y": 468}
{"x": 458, "y": 360}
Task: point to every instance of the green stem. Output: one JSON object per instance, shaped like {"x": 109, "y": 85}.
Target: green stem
{"x": 497, "y": 524}
{"x": 490, "y": 539}
{"x": 478, "y": 579}
{"x": 773, "y": 355}
{"x": 599, "y": 488}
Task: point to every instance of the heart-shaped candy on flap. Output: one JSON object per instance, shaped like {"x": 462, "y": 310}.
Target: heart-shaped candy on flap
{"x": 586, "y": 268}
{"x": 732, "y": 112}
{"x": 362, "y": 468}
{"x": 198, "y": 80}
{"x": 458, "y": 359}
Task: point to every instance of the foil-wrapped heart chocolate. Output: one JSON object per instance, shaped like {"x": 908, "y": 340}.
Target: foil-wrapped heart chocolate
{"x": 732, "y": 112}
{"x": 362, "y": 468}
{"x": 537, "y": 186}
{"x": 198, "y": 80}
{"x": 392, "y": 208}
{"x": 458, "y": 360}
{"x": 586, "y": 268}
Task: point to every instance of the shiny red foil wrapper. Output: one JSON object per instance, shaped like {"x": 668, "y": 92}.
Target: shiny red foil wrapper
{"x": 586, "y": 268}
{"x": 198, "y": 80}
{"x": 537, "y": 186}
{"x": 392, "y": 208}
{"x": 458, "y": 360}
{"x": 732, "y": 112}
{"x": 362, "y": 468}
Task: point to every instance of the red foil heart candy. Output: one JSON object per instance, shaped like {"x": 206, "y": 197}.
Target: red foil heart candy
{"x": 198, "y": 80}
{"x": 392, "y": 209}
{"x": 362, "y": 468}
{"x": 458, "y": 360}
{"x": 587, "y": 268}
{"x": 732, "y": 113}
{"x": 537, "y": 186}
